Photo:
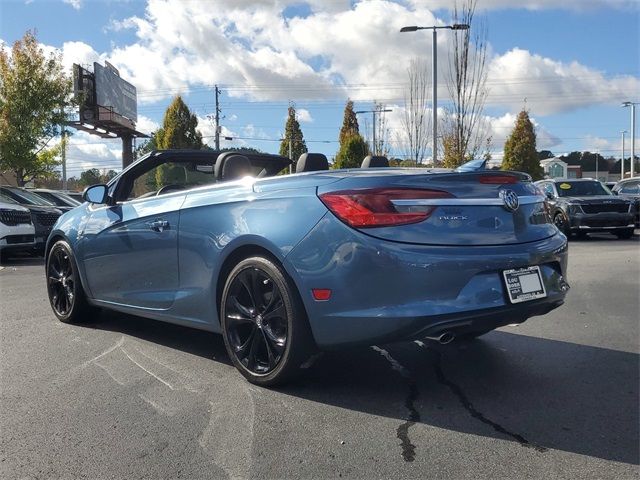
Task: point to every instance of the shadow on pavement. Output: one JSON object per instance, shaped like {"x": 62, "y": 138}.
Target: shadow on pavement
{"x": 540, "y": 393}
{"x": 189, "y": 340}
{"x": 537, "y": 392}
{"x": 22, "y": 261}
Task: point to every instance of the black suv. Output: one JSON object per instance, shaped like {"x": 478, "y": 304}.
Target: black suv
{"x": 581, "y": 206}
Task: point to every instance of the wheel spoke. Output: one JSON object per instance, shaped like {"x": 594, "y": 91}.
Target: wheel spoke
{"x": 272, "y": 359}
{"x": 252, "y": 357}
{"x": 273, "y": 341}
{"x": 242, "y": 350}
{"x": 241, "y": 309}
{"x": 277, "y": 311}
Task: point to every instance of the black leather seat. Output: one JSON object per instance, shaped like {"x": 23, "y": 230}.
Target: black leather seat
{"x": 374, "y": 161}
{"x": 312, "y": 162}
{"x": 231, "y": 166}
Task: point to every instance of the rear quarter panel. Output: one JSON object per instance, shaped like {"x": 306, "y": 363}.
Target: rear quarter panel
{"x": 214, "y": 223}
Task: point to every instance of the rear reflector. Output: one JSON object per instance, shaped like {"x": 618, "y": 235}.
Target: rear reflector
{"x": 373, "y": 207}
{"x": 321, "y": 294}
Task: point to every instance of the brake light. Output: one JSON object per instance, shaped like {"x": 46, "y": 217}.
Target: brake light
{"x": 498, "y": 179}
{"x": 374, "y": 207}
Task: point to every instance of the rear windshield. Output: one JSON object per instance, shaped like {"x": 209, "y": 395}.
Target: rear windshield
{"x": 581, "y": 189}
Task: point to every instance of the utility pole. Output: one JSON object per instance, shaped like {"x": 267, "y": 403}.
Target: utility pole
{"x": 622, "y": 159}
{"x": 64, "y": 157}
{"x": 378, "y": 109}
{"x": 217, "y": 136}
{"x": 633, "y": 134}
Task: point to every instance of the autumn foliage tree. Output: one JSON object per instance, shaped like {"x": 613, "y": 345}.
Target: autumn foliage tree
{"x": 520, "y": 148}
{"x": 34, "y": 94}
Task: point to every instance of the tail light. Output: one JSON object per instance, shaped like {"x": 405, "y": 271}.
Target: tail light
{"x": 374, "y": 207}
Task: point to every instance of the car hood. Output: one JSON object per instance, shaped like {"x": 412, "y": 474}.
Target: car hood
{"x": 42, "y": 209}
{"x": 595, "y": 200}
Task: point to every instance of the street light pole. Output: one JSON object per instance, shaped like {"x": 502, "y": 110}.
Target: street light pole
{"x": 378, "y": 109}
{"x": 633, "y": 133}
{"x": 622, "y": 159}
{"x": 434, "y": 67}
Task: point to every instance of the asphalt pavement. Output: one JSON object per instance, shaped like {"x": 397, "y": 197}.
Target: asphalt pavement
{"x": 124, "y": 397}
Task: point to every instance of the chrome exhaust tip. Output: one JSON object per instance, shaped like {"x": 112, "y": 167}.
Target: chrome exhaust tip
{"x": 446, "y": 337}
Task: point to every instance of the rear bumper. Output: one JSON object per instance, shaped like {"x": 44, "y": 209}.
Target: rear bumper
{"x": 386, "y": 291}
{"x": 600, "y": 222}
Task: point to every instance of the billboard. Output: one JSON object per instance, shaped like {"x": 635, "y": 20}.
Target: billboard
{"x": 113, "y": 92}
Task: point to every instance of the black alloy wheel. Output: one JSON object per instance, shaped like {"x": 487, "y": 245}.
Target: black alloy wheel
{"x": 264, "y": 325}
{"x": 66, "y": 295}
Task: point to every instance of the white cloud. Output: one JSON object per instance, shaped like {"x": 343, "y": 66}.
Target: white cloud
{"x": 304, "y": 115}
{"x": 77, "y": 4}
{"x": 545, "y": 86}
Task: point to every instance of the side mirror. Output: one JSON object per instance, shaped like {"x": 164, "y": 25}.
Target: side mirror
{"x": 549, "y": 195}
{"x": 95, "y": 194}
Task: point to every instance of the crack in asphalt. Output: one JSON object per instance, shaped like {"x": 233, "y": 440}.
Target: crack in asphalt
{"x": 469, "y": 407}
{"x": 402, "y": 432}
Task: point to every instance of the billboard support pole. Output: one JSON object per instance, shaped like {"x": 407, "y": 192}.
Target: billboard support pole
{"x": 127, "y": 150}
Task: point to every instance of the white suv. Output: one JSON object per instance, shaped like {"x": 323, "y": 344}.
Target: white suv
{"x": 16, "y": 229}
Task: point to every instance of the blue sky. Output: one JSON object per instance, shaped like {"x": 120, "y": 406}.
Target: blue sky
{"x": 574, "y": 65}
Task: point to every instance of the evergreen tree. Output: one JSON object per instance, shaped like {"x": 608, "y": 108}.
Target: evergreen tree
{"x": 178, "y": 128}
{"x": 349, "y": 123}
{"x": 293, "y": 134}
{"x": 520, "y": 148}
{"x": 352, "y": 152}
{"x": 178, "y": 132}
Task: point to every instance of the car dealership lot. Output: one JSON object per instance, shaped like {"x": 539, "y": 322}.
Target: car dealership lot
{"x": 123, "y": 397}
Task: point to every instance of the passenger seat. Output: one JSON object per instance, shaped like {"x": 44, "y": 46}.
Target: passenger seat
{"x": 231, "y": 166}
{"x": 374, "y": 161}
{"x": 312, "y": 162}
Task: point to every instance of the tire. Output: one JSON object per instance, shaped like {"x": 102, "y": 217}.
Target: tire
{"x": 264, "y": 325}
{"x": 625, "y": 234}
{"x": 64, "y": 288}
{"x": 562, "y": 222}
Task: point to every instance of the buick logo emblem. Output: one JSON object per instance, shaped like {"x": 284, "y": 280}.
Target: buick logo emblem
{"x": 509, "y": 200}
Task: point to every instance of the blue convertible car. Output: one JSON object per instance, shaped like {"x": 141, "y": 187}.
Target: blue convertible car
{"x": 283, "y": 265}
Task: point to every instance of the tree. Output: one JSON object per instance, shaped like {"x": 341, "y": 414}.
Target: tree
{"x": 352, "y": 152}
{"x": 349, "y": 123}
{"x": 178, "y": 128}
{"x": 34, "y": 94}
{"x": 466, "y": 128}
{"x": 293, "y": 135}
{"x": 416, "y": 125}
{"x": 148, "y": 146}
{"x": 544, "y": 154}
{"x": 90, "y": 177}
{"x": 520, "y": 148}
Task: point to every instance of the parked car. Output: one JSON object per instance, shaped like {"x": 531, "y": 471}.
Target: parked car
{"x": 285, "y": 265}
{"x": 77, "y": 196}
{"x": 60, "y": 199}
{"x": 17, "y": 233}
{"x": 43, "y": 214}
{"x": 629, "y": 188}
{"x": 581, "y": 206}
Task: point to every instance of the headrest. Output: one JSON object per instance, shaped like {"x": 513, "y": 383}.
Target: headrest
{"x": 374, "y": 161}
{"x": 312, "y": 162}
{"x": 231, "y": 166}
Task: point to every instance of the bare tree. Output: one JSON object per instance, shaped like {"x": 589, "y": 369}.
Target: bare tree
{"x": 465, "y": 129}
{"x": 382, "y": 131}
{"x": 414, "y": 136}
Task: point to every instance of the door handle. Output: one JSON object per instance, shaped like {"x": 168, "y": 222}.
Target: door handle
{"x": 158, "y": 225}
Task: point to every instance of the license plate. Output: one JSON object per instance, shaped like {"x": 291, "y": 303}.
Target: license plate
{"x": 524, "y": 284}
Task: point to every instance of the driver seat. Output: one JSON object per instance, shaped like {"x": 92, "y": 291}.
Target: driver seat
{"x": 231, "y": 166}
